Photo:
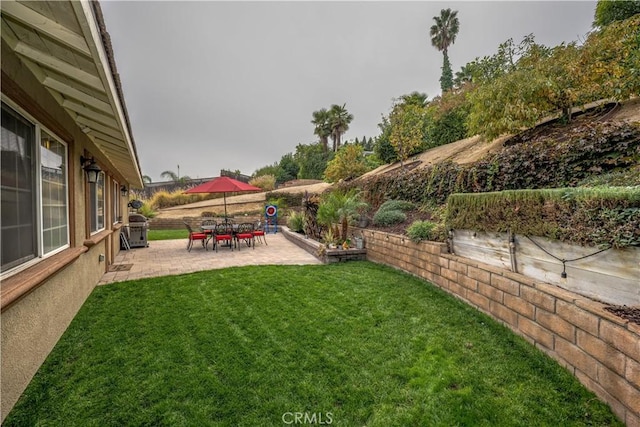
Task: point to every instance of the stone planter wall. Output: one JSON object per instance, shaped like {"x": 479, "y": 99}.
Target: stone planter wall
{"x": 330, "y": 255}
{"x": 602, "y": 350}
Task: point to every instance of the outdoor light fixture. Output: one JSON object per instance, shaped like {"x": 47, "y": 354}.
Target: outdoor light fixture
{"x": 92, "y": 169}
{"x": 123, "y": 190}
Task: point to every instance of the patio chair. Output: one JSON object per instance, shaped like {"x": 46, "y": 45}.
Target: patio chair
{"x": 208, "y": 226}
{"x": 196, "y": 235}
{"x": 245, "y": 233}
{"x": 258, "y": 232}
{"x": 223, "y": 233}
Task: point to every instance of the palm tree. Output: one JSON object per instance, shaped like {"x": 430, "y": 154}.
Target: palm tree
{"x": 171, "y": 175}
{"x": 322, "y": 127}
{"x": 339, "y": 119}
{"x": 146, "y": 179}
{"x": 415, "y": 98}
{"x": 181, "y": 180}
{"x": 443, "y": 34}
{"x": 464, "y": 75}
{"x": 338, "y": 209}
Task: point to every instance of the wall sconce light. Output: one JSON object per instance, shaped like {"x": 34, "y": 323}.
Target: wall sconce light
{"x": 123, "y": 190}
{"x": 92, "y": 169}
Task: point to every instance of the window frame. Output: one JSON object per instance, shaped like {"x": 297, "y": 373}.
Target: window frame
{"x": 38, "y": 220}
{"x": 94, "y": 205}
{"x": 67, "y": 203}
{"x": 115, "y": 204}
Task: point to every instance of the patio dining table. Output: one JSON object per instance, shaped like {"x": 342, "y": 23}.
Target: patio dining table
{"x": 211, "y": 229}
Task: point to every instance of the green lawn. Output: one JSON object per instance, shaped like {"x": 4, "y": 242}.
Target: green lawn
{"x": 168, "y": 234}
{"x": 354, "y": 343}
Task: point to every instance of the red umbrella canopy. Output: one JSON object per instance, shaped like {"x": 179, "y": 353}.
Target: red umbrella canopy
{"x": 222, "y": 184}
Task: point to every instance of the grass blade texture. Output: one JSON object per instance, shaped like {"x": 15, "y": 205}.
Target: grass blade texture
{"x": 352, "y": 344}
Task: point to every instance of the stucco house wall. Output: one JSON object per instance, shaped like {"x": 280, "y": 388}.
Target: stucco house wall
{"x": 40, "y": 297}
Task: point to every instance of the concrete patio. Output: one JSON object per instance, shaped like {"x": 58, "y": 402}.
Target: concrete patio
{"x": 167, "y": 257}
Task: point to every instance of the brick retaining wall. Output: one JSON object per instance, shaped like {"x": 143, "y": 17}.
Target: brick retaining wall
{"x": 600, "y": 349}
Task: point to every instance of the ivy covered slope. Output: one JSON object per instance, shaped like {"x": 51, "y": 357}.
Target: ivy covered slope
{"x": 585, "y": 153}
{"x": 562, "y": 156}
{"x": 604, "y": 217}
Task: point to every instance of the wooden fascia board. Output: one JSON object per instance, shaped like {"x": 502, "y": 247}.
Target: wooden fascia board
{"x": 87, "y": 21}
{"x": 45, "y": 25}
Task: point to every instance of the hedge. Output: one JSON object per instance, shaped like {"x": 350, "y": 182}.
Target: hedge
{"x": 604, "y": 217}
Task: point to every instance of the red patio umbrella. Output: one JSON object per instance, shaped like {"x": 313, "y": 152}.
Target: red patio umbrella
{"x": 224, "y": 185}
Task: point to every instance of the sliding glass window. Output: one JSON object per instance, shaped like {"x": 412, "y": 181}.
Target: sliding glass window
{"x": 18, "y": 190}
{"x": 34, "y": 191}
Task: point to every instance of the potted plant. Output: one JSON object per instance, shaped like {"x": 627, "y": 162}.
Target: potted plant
{"x": 329, "y": 238}
{"x": 346, "y": 244}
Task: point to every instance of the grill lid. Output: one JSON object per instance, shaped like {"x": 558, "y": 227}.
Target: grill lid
{"x": 137, "y": 218}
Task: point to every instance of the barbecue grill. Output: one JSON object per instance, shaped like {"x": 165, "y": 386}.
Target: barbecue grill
{"x": 136, "y": 232}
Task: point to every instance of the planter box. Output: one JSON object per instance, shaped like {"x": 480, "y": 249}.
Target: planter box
{"x": 330, "y": 255}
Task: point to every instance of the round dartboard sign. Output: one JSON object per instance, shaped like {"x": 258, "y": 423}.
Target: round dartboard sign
{"x": 271, "y": 210}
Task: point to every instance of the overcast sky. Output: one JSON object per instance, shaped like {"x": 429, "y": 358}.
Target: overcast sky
{"x": 213, "y": 85}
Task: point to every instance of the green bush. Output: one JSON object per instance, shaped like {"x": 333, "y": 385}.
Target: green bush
{"x": 266, "y": 182}
{"x": 449, "y": 128}
{"x": 296, "y": 221}
{"x": 163, "y": 199}
{"x": 284, "y": 199}
{"x": 386, "y": 218}
{"x": 421, "y": 230}
{"x": 147, "y": 211}
{"x": 396, "y": 205}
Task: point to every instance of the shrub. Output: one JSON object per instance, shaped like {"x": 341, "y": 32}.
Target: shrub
{"x": 396, "y": 205}
{"x": 266, "y": 182}
{"x": 421, "y": 230}
{"x": 283, "y": 199}
{"x": 146, "y": 210}
{"x": 601, "y": 216}
{"x": 296, "y": 221}
{"x": 329, "y": 237}
{"x": 386, "y": 218}
{"x": 164, "y": 199}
